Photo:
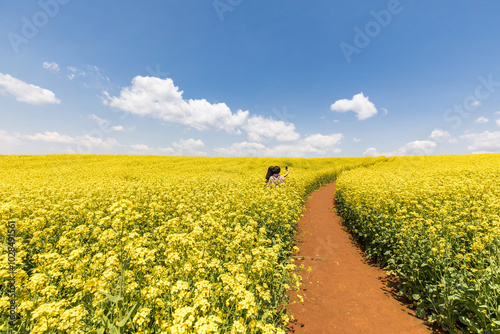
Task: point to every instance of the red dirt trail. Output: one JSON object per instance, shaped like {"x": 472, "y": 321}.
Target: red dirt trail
{"x": 343, "y": 293}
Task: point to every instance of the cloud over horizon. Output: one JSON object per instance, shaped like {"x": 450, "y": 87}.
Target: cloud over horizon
{"x": 417, "y": 147}
{"x": 483, "y": 142}
{"x": 316, "y": 145}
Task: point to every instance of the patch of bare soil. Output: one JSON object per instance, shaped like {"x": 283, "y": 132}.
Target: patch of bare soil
{"x": 344, "y": 293}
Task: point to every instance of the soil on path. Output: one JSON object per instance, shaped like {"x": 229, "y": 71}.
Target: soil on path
{"x": 343, "y": 293}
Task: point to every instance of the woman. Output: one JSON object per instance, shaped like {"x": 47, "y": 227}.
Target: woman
{"x": 273, "y": 175}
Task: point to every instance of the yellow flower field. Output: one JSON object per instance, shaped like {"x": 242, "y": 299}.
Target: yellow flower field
{"x": 435, "y": 222}
{"x": 131, "y": 244}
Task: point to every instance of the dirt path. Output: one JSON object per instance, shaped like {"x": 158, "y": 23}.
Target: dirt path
{"x": 343, "y": 293}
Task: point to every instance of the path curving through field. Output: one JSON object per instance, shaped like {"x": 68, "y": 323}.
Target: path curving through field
{"x": 343, "y": 293}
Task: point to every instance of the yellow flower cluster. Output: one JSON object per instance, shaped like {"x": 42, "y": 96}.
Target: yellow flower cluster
{"x": 132, "y": 244}
{"x": 435, "y": 222}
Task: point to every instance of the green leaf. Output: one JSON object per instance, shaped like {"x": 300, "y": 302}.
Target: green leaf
{"x": 416, "y": 296}
{"x": 111, "y": 298}
{"x": 113, "y": 330}
{"x": 127, "y": 264}
{"x": 420, "y": 311}
{"x": 432, "y": 318}
{"x": 468, "y": 323}
{"x": 127, "y": 317}
{"x": 101, "y": 330}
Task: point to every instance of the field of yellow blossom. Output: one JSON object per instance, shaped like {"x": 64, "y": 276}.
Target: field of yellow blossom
{"x": 145, "y": 244}
{"x": 435, "y": 222}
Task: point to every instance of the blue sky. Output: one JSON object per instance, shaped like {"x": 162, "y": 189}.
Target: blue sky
{"x": 249, "y": 78}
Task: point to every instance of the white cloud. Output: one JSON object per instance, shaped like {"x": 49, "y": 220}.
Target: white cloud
{"x": 244, "y": 149}
{"x": 75, "y": 72}
{"x": 372, "y": 151}
{"x": 481, "y": 120}
{"x": 98, "y": 120}
{"x": 91, "y": 77}
{"x": 417, "y": 147}
{"x": 259, "y": 127}
{"x": 83, "y": 141}
{"x": 53, "y": 67}
{"x": 498, "y": 122}
{"x": 166, "y": 150}
{"x": 104, "y": 124}
{"x": 314, "y": 145}
{"x": 359, "y": 104}
{"x": 141, "y": 147}
{"x": 356, "y": 140}
{"x": 385, "y": 111}
{"x": 97, "y": 142}
{"x": 441, "y": 136}
{"x": 189, "y": 144}
{"x": 50, "y": 137}
{"x": 160, "y": 99}
{"x": 476, "y": 103}
{"x": 94, "y": 69}
{"x": 322, "y": 141}
{"x": 7, "y": 138}
{"x": 180, "y": 148}
{"x": 189, "y": 147}
{"x": 485, "y": 141}
{"x": 25, "y": 92}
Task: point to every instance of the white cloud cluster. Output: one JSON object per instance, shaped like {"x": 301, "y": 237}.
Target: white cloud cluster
{"x": 7, "y": 138}
{"x": 53, "y": 67}
{"x": 418, "y": 147}
{"x": 51, "y": 137}
{"x": 84, "y": 140}
{"x": 359, "y": 104}
{"x": 315, "y": 145}
{"x": 483, "y": 142}
{"x": 25, "y": 92}
{"x": 90, "y": 77}
{"x": 81, "y": 144}
{"x": 371, "y": 151}
{"x": 481, "y": 120}
{"x": 188, "y": 147}
{"x": 259, "y": 127}
{"x": 160, "y": 99}
{"x": 441, "y": 136}
{"x": 105, "y": 124}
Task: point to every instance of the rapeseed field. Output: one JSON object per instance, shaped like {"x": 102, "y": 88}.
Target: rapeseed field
{"x": 145, "y": 244}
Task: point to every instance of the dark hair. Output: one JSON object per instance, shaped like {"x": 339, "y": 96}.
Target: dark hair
{"x": 272, "y": 170}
